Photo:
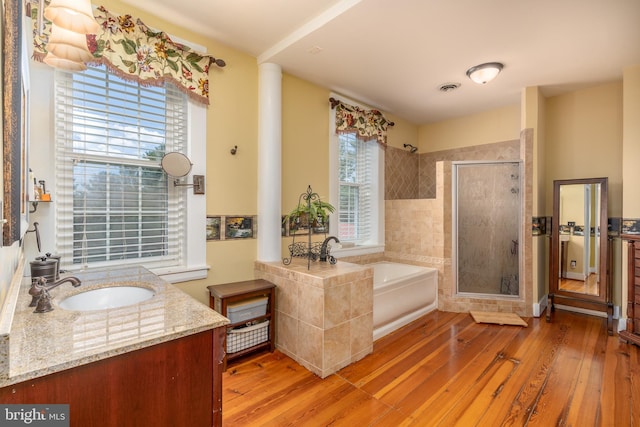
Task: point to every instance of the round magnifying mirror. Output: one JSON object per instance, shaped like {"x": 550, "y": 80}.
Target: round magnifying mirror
{"x": 176, "y": 164}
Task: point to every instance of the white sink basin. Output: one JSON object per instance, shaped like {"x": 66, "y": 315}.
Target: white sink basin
{"x": 104, "y": 298}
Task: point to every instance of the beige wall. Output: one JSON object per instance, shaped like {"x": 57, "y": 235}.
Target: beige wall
{"x": 631, "y": 142}
{"x": 402, "y": 132}
{"x": 502, "y": 124}
{"x": 631, "y": 154}
{"x": 305, "y": 137}
{"x": 584, "y": 139}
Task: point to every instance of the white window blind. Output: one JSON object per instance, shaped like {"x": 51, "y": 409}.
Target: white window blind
{"x": 356, "y": 161}
{"x": 112, "y": 199}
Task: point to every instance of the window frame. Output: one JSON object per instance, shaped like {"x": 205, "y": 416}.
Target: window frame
{"x": 194, "y": 265}
{"x": 376, "y": 242}
{"x": 102, "y": 146}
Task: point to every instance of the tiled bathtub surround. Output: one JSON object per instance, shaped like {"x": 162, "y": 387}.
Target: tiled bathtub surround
{"x": 324, "y": 316}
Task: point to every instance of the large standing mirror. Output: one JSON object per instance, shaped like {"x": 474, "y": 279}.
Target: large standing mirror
{"x": 578, "y": 270}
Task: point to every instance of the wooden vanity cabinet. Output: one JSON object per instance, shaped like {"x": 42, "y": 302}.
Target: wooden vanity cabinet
{"x": 176, "y": 383}
{"x": 632, "y": 333}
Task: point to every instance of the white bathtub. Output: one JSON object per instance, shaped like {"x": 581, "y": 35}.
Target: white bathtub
{"x": 401, "y": 294}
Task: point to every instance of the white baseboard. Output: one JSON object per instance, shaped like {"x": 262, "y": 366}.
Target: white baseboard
{"x": 622, "y": 324}
{"x": 539, "y": 306}
{"x": 574, "y": 275}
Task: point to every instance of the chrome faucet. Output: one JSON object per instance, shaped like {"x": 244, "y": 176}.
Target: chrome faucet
{"x": 40, "y": 292}
{"x": 324, "y": 250}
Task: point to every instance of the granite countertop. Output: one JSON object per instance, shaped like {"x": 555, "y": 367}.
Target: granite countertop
{"x": 43, "y": 343}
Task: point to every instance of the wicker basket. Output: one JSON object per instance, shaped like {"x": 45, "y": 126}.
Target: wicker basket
{"x": 240, "y": 338}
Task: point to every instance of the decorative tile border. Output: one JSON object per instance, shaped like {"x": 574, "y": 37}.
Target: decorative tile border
{"x": 631, "y": 226}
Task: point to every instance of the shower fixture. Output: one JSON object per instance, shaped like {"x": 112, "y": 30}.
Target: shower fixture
{"x": 411, "y": 148}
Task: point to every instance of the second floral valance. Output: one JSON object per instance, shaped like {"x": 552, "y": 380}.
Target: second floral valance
{"x": 366, "y": 124}
{"x": 136, "y": 52}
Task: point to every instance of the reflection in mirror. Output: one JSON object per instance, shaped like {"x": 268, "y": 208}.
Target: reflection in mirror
{"x": 579, "y": 255}
{"x": 579, "y": 238}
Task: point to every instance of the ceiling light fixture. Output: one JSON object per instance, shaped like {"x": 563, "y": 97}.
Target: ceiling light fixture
{"x": 484, "y": 73}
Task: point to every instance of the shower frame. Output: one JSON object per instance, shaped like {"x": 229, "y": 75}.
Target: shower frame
{"x": 454, "y": 229}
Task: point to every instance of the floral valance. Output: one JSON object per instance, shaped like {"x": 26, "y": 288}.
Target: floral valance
{"x": 366, "y": 124}
{"x": 136, "y": 52}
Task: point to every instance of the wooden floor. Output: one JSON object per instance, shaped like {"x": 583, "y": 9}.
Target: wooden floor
{"x": 589, "y": 286}
{"x": 443, "y": 370}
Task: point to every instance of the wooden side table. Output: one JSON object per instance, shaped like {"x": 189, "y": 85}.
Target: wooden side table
{"x": 220, "y": 296}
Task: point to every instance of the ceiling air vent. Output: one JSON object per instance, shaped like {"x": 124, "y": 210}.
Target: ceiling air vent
{"x": 448, "y": 87}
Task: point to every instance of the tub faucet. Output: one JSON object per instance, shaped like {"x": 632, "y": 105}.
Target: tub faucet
{"x": 40, "y": 291}
{"x": 324, "y": 250}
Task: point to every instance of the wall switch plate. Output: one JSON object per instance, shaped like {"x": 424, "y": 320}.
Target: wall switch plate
{"x": 573, "y": 263}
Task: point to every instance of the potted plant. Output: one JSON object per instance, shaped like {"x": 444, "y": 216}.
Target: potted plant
{"x": 311, "y": 211}
{"x": 313, "y": 214}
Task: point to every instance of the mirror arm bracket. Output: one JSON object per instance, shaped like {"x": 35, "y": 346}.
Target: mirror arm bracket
{"x": 198, "y": 184}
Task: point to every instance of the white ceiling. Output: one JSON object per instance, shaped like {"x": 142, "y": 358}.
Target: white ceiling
{"x": 394, "y": 55}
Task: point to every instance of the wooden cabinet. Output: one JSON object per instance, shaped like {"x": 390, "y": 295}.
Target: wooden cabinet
{"x": 177, "y": 383}
{"x": 220, "y": 296}
{"x": 632, "y": 333}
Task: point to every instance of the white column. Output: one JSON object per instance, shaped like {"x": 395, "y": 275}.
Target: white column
{"x": 269, "y": 162}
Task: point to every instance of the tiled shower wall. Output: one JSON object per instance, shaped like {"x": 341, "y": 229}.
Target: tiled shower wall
{"x": 413, "y": 176}
{"x": 401, "y": 174}
{"x": 508, "y": 150}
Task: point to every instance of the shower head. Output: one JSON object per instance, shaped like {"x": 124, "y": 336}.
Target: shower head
{"x": 412, "y": 149}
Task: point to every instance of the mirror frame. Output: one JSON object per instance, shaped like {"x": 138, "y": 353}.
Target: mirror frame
{"x": 14, "y": 133}
{"x": 602, "y": 301}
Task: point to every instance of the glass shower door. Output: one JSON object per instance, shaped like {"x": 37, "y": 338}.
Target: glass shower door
{"x": 487, "y": 212}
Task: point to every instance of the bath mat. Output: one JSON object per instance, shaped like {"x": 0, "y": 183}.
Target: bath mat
{"x": 498, "y": 318}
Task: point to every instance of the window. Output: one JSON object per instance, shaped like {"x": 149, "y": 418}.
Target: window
{"x": 356, "y": 183}
{"x": 113, "y": 202}
{"x": 355, "y": 188}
